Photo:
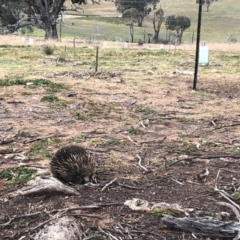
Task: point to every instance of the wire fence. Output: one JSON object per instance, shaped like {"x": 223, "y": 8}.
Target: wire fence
{"x": 124, "y": 33}
{"x": 92, "y": 31}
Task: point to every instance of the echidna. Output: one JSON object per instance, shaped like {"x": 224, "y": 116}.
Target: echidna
{"x": 73, "y": 164}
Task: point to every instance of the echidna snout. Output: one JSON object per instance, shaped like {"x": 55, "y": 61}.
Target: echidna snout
{"x": 73, "y": 164}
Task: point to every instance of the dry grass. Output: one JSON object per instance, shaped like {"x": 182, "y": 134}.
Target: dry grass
{"x": 23, "y": 40}
{"x": 149, "y": 90}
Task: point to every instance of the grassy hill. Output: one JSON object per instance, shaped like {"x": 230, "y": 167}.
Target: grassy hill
{"x": 103, "y": 22}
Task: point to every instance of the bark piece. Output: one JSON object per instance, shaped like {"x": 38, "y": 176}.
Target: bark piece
{"x": 44, "y": 184}
{"x": 205, "y": 225}
{"x": 60, "y": 229}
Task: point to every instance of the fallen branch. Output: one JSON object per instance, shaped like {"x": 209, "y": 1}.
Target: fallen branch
{"x": 130, "y": 187}
{"x": 195, "y": 156}
{"x": 175, "y": 180}
{"x": 226, "y": 126}
{"x": 233, "y": 208}
{"x": 139, "y": 163}
{"x": 129, "y": 138}
{"x": 207, "y": 226}
{"x": 57, "y": 215}
{"x": 154, "y": 140}
{"x": 11, "y": 219}
{"x": 227, "y": 198}
{"x": 85, "y": 215}
{"x": 44, "y": 184}
{"x": 107, "y": 234}
{"x": 40, "y": 138}
{"x": 223, "y": 193}
{"x": 108, "y": 184}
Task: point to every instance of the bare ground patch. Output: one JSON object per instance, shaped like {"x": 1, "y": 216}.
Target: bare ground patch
{"x": 175, "y": 131}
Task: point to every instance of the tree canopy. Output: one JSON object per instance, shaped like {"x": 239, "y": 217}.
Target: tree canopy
{"x": 43, "y": 14}
{"x": 207, "y": 3}
{"x": 178, "y": 24}
{"x": 144, "y": 7}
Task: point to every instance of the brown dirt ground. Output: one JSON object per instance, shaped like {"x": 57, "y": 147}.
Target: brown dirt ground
{"x": 199, "y": 128}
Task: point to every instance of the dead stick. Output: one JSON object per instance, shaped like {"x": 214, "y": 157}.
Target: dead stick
{"x": 129, "y": 138}
{"x": 154, "y": 140}
{"x": 107, "y": 233}
{"x": 130, "y": 187}
{"x": 233, "y": 203}
{"x": 141, "y": 122}
{"x": 108, "y": 184}
{"x": 139, "y": 163}
{"x": 74, "y": 208}
{"x": 175, "y": 180}
{"x": 85, "y": 215}
{"x": 40, "y": 138}
{"x": 226, "y": 126}
{"x": 232, "y": 208}
{"x": 57, "y": 215}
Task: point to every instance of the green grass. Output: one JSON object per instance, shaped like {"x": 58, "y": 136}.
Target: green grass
{"x": 39, "y": 150}
{"x": 18, "y": 80}
{"x": 26, "y": 134}
{"x": 145, "y": 110}
{"x": 114, "y": 142}
{"x": 49, "y": 98}
{"x": 134, "y": 131}
{"x": 81, "y": 117}
{"x": 217, "y": 25}
{"x": 145, "y": 64}
{"x": 17, "y": 175}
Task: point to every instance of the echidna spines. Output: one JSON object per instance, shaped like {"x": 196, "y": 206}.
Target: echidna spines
{"x": 72, "y": 164}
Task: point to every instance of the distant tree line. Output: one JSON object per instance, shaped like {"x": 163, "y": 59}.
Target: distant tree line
{"x": 44, "y": 14}
{"x": 137, "y": 10}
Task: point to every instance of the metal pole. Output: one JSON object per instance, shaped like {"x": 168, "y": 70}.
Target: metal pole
{"x": 197, "y": 45}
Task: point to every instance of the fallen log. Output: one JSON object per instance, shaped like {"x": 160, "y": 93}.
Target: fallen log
{"x": 206, "y": 226}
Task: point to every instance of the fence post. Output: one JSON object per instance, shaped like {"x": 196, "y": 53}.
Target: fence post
{"x": 60, "y": 32}
{"x": 96, "y": 65}
{"x": 65, "y": 52}
{"x": 74, "y": 46}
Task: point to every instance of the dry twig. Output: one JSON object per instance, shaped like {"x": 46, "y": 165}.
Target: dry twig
{"x": 232, "y": 208}
{"x": 130, "y": 187}
{"x": 139, "y": 163}
{"x": 108, "y": 184}
{"x": 129, "y": 138}
{"x": 108, "y": 234}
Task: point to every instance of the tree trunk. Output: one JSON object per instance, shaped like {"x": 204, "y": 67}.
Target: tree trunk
{"x": 140, "y": 21}
{"x": 156, "y": 36}
{"x": 208, "y": 7}
{"x": 51, "y": 31}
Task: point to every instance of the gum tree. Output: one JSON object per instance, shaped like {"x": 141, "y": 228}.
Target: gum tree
{"x": 158, "y": 18}
{"x": 143, "y": 7}
{"x": 178, "y": 24}
{"x": 42, "y": 14}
